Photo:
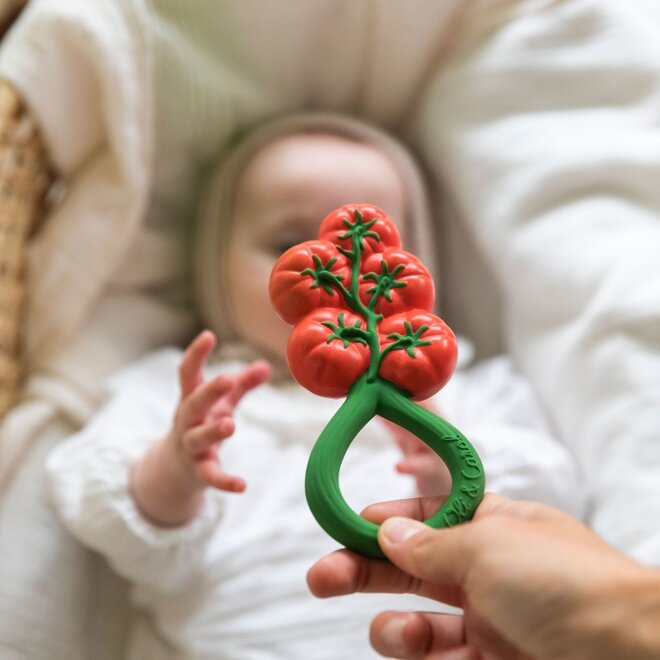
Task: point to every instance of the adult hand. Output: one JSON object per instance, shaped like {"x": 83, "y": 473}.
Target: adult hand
{"x": 532, "y": 581}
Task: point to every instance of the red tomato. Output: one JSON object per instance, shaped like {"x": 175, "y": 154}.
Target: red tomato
{"x": 326, "y": 368}
{"x": 418, "y": 292}
{"x": 433, "y": 363}
{"x": 339, "y": 222}
{"x": 293, "y": 293}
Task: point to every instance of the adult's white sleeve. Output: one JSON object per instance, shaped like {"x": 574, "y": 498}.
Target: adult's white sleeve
{"x": 546, "y": 127}
{"x": 89, "y": 480}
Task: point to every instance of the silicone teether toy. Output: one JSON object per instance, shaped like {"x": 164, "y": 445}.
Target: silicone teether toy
{"x": 363, "y": 327}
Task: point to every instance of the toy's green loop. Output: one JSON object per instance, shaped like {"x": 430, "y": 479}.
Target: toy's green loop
{"x": 374, "y": 396}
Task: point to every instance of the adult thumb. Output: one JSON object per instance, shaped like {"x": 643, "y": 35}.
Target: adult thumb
{"x": 435, "y": 555}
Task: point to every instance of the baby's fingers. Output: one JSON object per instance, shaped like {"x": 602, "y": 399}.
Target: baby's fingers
{"x": 210, "y": 473}
{"x": 420, "y": 465}
{"x": 201, "y": 442}
{"x": 195, "y": 407}
{"x": 201, "y": 438}
{"x": 430, "y": 471}
{"x": 192, "y": 363}
{"x": 252, "y": 376}
{"x": 408, "y": 442}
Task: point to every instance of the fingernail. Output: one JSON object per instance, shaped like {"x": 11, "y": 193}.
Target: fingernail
{"x": 392, "y": 635}
{"x": 398, "y": 530}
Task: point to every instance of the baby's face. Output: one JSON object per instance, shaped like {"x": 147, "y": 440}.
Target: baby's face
{"x": 281, "y": 198}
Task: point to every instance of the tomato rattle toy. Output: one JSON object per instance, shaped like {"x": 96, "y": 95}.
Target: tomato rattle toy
{"x": 363, "y": 328}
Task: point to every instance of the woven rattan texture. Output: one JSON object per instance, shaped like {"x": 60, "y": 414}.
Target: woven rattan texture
{"x": 24, "y": 181}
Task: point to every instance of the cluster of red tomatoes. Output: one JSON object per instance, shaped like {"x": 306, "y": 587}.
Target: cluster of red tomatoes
{"x": 360, "y": 303}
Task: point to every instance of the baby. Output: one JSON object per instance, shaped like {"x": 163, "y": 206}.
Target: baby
{"x": 213, "y": 534}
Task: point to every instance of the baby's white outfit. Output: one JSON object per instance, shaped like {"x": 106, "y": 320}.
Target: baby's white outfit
{"x": 231, "y": 584}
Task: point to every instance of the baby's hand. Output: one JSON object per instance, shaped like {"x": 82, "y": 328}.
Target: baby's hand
{"x": 420, "y": 461}
{"x": 167, "y": 483}
{"x": 204, "y": 416}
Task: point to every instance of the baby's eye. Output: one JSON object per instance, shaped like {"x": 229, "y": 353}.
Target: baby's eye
{"x": 284, "y": 240}
{"x": 281, "y": 246}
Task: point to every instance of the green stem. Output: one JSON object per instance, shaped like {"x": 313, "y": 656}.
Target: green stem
{"x": 366, "y": 399}
{"x": 374, "y": 299}
{"x": 392, "y": 347}
{"x": 343, "y": 290}
{"x": 352, "y": 298}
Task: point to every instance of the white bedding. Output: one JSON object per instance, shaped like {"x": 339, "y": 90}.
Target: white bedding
{"x": 538, "y": 122}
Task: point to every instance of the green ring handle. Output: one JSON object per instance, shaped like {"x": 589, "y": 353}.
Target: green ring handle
{"x": 375, "y": 396}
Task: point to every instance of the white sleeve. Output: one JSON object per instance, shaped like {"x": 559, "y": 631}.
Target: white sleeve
{"x": 546, "y": 126}
{"x": 88, "y": 477}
